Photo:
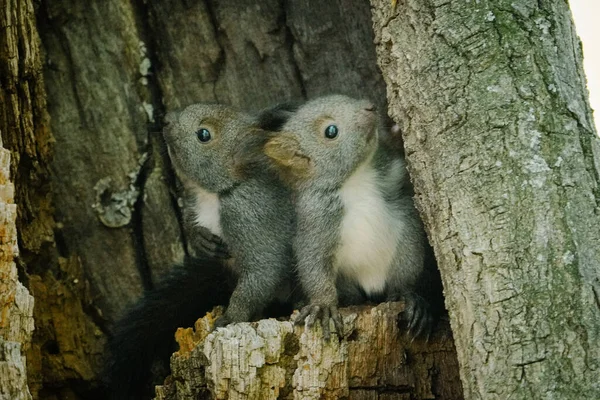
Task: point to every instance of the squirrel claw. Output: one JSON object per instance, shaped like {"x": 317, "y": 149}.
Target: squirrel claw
{"x": 311, "y": 313}
{"x": 337, "y": 320}
{"x": 418, "y": 317}
{"x": 210, "y": 245}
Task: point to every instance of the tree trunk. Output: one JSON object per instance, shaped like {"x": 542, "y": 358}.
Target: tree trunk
{"x": 66, "y": 343}
{"x": 506, "y": 166}
{"x": 275, "y": 360}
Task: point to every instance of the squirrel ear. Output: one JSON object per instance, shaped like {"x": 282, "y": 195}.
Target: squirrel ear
{"x": 275, "y": 117}
{"x": 285, "y": 151}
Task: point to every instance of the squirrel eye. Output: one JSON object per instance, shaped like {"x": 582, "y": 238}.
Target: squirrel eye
{"x": 331, "y": 132}
{"x": 203, "y": 135}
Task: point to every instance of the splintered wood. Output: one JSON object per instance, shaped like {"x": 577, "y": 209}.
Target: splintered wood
{"x": 272, "y": 359}
{"x": 16, "y": 305}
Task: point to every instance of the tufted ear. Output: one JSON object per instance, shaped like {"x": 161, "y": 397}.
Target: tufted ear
{"x": 286, "y": 153}
{"x": 273, "y": 118}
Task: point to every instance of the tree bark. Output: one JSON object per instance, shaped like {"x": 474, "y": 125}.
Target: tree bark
{"x": 506, "y": 166}
{"x": 66, "y": 343}
{"x": 16, "y": 304}
{"x": 273, "y": 359}
{"x": 19, "y": 83}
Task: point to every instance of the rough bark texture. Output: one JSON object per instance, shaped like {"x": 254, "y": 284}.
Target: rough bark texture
{"x": 506, "y": 165}
{"x": 275, "y": 360}
{"x": 65, "y": 345}
{"x": 16, "y": 304}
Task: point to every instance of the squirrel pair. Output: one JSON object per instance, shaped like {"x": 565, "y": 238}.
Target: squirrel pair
{"x": 314, "y": 207}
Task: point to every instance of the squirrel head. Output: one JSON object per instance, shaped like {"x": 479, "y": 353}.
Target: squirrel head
{"x": 208, "y": 143}
{"x": 324, "y": 141}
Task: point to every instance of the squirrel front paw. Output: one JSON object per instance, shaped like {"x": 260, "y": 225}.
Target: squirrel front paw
{"x": 204, "y": 244}
{"x": 323, "y": 312}
{"x": 417, "y": 317}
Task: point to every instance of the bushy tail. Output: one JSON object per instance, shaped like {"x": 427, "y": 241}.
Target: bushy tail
{"x": 145, "y": 334}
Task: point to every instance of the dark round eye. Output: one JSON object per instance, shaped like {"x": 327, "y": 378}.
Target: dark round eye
{"x": 331, "y": 132}
{"x": 203, "y": 135}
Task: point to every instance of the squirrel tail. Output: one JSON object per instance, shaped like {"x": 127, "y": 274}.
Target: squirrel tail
{"x": 144, "y": 335}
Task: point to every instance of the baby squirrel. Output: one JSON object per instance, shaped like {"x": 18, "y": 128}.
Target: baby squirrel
{"x": 214, "y": 150}
{"x": 355, "y": 214}
{"x": 200, "y": 238}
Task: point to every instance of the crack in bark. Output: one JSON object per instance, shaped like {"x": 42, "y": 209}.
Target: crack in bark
{"x": 137, "y": 225}
{"x": 146, "y": 35}
{"x": 596, "y": 297}
{"x": 222, "y": 58}
{"x": 63, "y": 42}
{"x": 384, "y": 389}
{"x": 290, "y": 41}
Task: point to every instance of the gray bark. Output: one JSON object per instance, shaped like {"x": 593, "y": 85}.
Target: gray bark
{"x": 506, "y": 166}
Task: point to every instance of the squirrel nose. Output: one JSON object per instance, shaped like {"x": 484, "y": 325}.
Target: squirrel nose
{"x": 370, "y": 107}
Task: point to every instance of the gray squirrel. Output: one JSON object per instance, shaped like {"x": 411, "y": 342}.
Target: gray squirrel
{"x": 200, "y": 238}
{"x": 215, "y": 151}
{"x": 237, "y": 200}
{"x": 356, "y": 218}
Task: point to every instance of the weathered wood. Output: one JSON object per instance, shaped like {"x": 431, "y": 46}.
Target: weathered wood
{"x": 506, "y": 166}
{"x": 66, "y": 342}
{"x": 16, "y": 304}
{"x": 19, "y": 84}
{"x": 332, "y": 43}
{"x": 24, "y": 124}
{"x": 98, "y": 120}
{"x": 272, "y": 359}
{"x": 18, "y": 59}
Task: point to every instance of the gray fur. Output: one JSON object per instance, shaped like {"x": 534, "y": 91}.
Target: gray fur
{"x": 255, "y": 213}
{"x": 323, "y": 172}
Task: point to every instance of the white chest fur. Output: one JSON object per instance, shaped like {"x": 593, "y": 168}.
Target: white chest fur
{"x": 206, "y": 210}
{"x": 369, "y": 232}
